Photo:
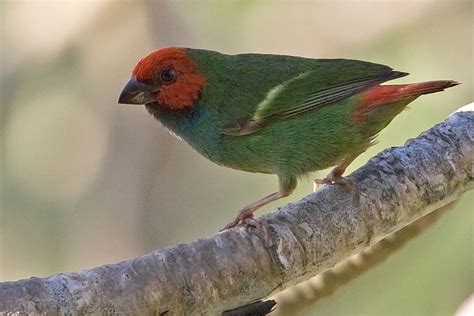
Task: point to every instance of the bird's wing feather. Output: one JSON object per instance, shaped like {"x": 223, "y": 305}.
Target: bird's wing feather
{"x": 298, "y": 95}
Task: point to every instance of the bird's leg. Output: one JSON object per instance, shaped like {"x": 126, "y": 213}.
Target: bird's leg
{"x": 335, "y": 177}
{"x": 245, "y": 215}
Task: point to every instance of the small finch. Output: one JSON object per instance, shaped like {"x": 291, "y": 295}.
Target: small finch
{"x": 271, "y": 114}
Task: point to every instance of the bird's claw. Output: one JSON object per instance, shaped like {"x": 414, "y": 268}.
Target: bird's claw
{"x": 246, "y": 218}
{"x": 252, "y": 222}
{"x": 332, "y": 179}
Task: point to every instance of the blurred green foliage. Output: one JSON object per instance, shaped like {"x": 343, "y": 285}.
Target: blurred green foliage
{"x": 85, "y": 181}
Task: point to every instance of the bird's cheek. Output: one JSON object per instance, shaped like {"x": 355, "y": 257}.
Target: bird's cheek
{"x": 157, "y": 93}
{"x": 178, "y": 96}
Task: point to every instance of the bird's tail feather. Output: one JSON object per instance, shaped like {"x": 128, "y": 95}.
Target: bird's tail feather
{"x": 378, "y": 105}
{"x": 386, "y": 94}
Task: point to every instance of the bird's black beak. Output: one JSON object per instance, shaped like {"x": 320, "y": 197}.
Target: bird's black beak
{"x": 136, "y": 92}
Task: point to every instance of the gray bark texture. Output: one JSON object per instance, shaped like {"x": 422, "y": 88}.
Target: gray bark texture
{"x": 241, "y": 265}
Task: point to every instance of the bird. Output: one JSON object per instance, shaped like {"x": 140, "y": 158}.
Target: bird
{"x": 271, "y": 114}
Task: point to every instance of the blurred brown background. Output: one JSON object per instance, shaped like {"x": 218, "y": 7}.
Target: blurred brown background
{"x": 85, "y": 181}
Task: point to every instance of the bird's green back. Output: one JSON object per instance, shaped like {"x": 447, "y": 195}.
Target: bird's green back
{"x": 237, "y": 84}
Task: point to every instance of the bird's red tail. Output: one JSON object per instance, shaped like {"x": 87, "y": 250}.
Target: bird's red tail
{"x": 388, "y": 94}
{"x": 385, "y": 94}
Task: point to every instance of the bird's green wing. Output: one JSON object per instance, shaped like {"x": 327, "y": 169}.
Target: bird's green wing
{"x": 299, "y": 95}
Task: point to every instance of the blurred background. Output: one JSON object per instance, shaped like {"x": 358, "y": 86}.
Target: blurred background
{"x": 85, "y": 181}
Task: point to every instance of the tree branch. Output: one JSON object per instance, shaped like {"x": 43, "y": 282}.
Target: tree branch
{"x": 307, "y": 293}
{"x": 241, "y": 265}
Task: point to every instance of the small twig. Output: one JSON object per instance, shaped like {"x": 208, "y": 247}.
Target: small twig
{"x": 258, "y": 308}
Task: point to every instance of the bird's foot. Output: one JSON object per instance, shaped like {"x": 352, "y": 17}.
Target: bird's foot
{"x": 246, "y": 218}
{"x": 338, "y": 179}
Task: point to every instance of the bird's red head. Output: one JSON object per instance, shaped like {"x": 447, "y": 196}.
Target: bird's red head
{"x": 168, "y": 77}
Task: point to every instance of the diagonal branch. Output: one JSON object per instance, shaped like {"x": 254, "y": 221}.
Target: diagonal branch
{"x": 238, "y": 266}
{"x": 306, "y": 294}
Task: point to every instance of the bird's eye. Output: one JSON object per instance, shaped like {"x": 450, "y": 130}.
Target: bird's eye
{"x": 168, "y": 75}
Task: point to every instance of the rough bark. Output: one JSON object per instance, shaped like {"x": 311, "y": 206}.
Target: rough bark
{"x": 240, "y": 265}
{"x": 293, "y": 300}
